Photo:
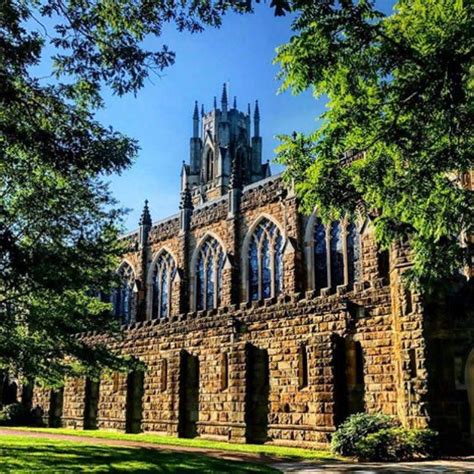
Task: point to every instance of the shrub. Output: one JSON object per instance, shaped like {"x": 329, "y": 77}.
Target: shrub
{"x": 355, "y": 429}
{"x": 424, "y": 442}
{"x": 381, "y": 438}
{"x": 389, "y": 444}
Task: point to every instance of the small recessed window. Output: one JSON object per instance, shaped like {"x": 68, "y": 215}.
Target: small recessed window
{"x": 302, "y": 367}
{"x": 164, "y": 375}
{"x": 224, "y": 376}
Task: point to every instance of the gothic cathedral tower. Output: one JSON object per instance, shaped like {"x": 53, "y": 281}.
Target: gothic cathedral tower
{"x": 222, "y": 145}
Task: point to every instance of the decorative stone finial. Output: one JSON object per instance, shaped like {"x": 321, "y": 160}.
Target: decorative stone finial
{"x": 224, "y": 96}
{"x": 196, "y": 111}
{"x": 257, "y": 111}
{"x": 256, "y": 120}
{"x": 145, "y": 218}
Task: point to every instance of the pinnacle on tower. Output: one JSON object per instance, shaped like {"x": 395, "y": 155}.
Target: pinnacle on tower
{"x": 249, "y": 113}
{"x": 235, "y": 102}
{"x": 196, "y": 120}
{"x": 257, "y": 110}
{"x": 215, "y": 102}
{"x": 224, "y": 97}
{"x": 256, "y": 120}
{"x": 145, "y": 218}
{"x": 202, "y": 110}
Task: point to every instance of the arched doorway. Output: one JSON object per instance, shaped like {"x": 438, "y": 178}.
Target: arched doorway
{"x": 469, "y": 378}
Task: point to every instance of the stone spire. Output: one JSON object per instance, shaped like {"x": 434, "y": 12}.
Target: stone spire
{"x": 145, "y": 225}
{"x": 224, "y": 97}
{"x": 235, "y": 103}
{"x": 224, "y": 103}
{"x": 256, "y": 120}
{"x": 196, "y": 121}
{"x": 202, "y": 110}
{"x": 215, "y": 102}
{"x": 145, "y": 218}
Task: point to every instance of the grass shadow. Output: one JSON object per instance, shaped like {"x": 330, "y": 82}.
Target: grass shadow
{"x": 20, "y": 454}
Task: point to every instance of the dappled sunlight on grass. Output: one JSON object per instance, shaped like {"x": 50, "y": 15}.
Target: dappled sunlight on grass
{"x": 25, "y": 454}
{"x": 265, "y": 449}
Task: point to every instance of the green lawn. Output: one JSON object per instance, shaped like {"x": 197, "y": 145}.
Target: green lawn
{"x": 265, "y": 449}
{"x": 24, "y": 454}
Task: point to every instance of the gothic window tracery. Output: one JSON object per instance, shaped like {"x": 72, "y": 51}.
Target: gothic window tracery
{"x": 265, "y": 261}
{"x": 164, "y": 272}
{"x": 335, "y": 254}
{"x": 209, "y": 268}
{"x": 122, "y": 296}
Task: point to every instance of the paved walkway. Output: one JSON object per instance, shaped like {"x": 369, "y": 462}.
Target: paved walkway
{"x": 465, "y": 464}
{"x": 443, "y": 465}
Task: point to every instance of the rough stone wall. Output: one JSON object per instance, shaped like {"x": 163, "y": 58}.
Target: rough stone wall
{"x": 296, "y": 416}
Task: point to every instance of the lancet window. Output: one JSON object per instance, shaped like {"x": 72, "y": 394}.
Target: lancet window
{"x": 164, "y": 272}
{"x": 335, "y": 254}
{"x": 209, "y": 268}
{"x": 265, "y": 261}
{"x": 122, "y": 296}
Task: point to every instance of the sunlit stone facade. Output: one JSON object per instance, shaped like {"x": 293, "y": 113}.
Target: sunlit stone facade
{"x": 256, "y": 323}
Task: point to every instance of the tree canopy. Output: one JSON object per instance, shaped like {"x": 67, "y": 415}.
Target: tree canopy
{"x": 396, "y": 140}
{"x": 59, "y": 225}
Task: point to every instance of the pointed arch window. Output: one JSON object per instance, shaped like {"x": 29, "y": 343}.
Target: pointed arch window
{"x": 122, "y": 296}
{"x": 265, "y": 261}
{"x": 335, "y": 257}
{"x": 164, "y": 273}
{"x": 209, "y": 269}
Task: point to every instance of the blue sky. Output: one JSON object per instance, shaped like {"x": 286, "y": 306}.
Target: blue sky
{"x": 240, "y": 53}
{"x": 160, "y": 117}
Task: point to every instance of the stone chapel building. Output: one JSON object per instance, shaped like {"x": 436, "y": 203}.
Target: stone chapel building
{"x": 259, "y": 324}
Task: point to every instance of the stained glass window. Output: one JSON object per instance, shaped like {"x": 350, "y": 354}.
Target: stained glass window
{"x": 209, "y": 267}
{"x": 162, "y": 285}
{"x": 265, "y": 261}
{"x": 253, "y": 269}
{"x": 353, "y": 253}
{"x": 337, "y": 255}
{"x": 122, "y": 296}
{"x": 344, "y": 249}
{"x": 320, "y": 257}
